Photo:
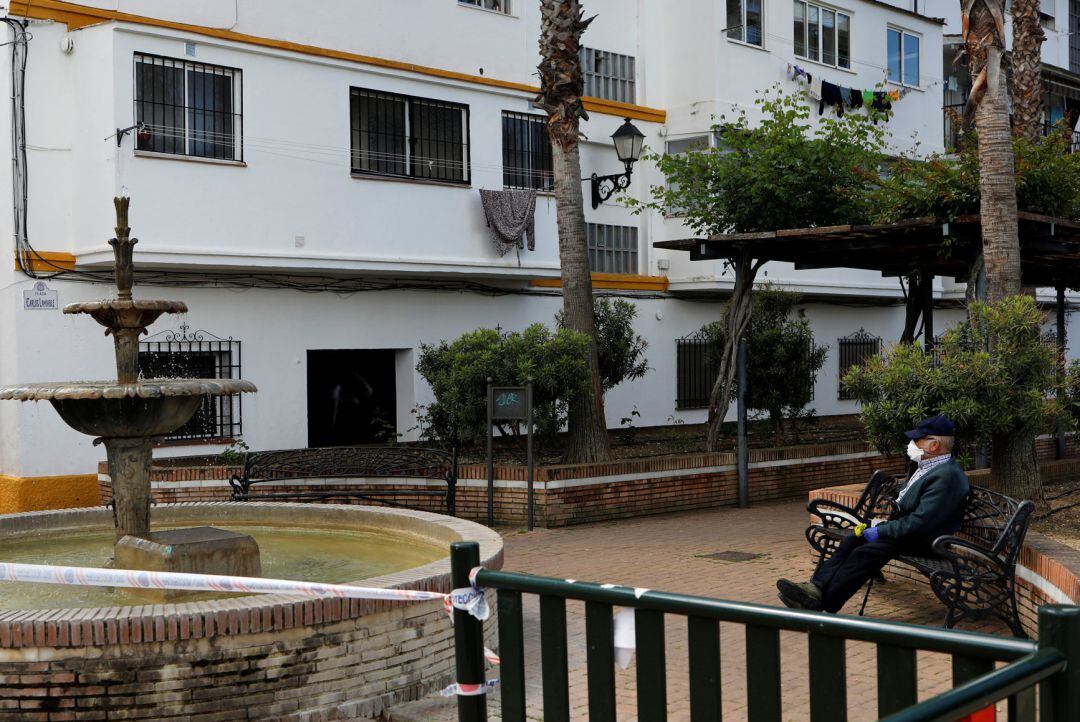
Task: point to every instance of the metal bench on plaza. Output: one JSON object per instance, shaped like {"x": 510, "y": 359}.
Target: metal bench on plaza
{"x": 347, "y": 462}
{"x": 973, "y": 572}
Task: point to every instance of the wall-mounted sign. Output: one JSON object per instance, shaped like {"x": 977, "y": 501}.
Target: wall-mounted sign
{"x": 40, "y": 298}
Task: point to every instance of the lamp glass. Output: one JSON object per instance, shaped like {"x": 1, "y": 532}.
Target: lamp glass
{"x": 628, "y": 142}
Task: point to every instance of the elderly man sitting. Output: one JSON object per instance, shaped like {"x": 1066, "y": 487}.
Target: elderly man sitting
{"x": 931, "y": 505}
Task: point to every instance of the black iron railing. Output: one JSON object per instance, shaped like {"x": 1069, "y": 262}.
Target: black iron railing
{"x": 200, "y": 355}
{"x": 855, "y": 349}
{"x": 1053, "y": 663}
{"x": 695, "y": 372}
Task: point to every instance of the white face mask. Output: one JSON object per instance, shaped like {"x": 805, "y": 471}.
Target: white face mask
{"x": 914, "y": 452}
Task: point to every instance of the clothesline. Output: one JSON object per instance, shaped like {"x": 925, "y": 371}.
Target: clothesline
{"x": 841, "y": 97}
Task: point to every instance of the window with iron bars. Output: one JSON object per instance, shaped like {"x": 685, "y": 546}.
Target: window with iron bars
{"x": 188, "y": 108}
{"x": 855, "y": 350}
{"x": 696, "y": 372}
{"x": 409, "y": 137}
{"x": 526, "y": 152}
{"x": 608, "y": 75}
{"x": 612, "y": 249}
{"x": 199, "y": 355}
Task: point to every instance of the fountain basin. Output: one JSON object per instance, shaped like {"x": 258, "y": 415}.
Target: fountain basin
{"x": 151, "y": 407}
{"x": 249, "y": 657}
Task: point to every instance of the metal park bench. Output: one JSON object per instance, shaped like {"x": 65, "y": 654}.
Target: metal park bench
{"x": 342, "y": 462}
{"x": 973, "y": 572}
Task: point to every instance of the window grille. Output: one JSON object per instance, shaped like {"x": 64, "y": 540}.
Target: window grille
{"x": 499, "y": 6}
{"x": 400, "y": 135}
{"x": 855, "y": 350}
{"x": 695, "y": 372}
{"x": 1074, "y": 36}
{"x": 526, "y": 152}
{"x": 188, "y": 108}
{"x": 612, "y": 249}
{"x": 608, "y": 75}
{"x": 202, "y": 355}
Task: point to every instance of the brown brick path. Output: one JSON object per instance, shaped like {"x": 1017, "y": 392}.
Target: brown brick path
{"x": 666, "y": 553}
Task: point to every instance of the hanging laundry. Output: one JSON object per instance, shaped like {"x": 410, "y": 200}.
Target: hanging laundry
{"x": 510, "y": 215}
{"x": 868, "y": 98}
{"x": 831, "y": 95}
{"x": 882, "y": 102}
{"x": 815, "y": 87}
{"x": 854, "y": 98}
{"x": 894, "y": 95}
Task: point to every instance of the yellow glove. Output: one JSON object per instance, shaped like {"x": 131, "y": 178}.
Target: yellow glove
{"x": 860, "y": 529}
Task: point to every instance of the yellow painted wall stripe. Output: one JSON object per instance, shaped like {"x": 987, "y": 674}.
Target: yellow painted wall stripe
{"x": 77, "y": 16}
{"x": 622, "y": 281}
{"x": 37, "y": 493}
{"x": 46, "y": 261}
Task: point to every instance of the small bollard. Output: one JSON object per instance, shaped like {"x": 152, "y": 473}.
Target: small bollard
{"x": 468, "y": 635}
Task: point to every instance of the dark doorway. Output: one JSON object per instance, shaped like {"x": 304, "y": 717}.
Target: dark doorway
{"x": 351, "y": 397}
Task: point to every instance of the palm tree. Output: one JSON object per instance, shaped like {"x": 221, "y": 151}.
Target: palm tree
{"x": 561, "y": 86}
{"x": 1013, "y": 464}
{"x": 1028, "y": 38}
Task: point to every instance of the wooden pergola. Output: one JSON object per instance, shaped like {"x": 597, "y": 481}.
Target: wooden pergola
{"x": 916, "y": 248}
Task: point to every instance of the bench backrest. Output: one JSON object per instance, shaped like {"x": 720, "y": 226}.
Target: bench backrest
{"x": 877, "y": 497}
{"x": 996, "y": 522}
{"x": 348, "y": 461}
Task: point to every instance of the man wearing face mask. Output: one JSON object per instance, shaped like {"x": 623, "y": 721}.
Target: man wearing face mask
{"x": 931, "y": 505}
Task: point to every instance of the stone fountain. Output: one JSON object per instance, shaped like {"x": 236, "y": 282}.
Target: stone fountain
{"x": 128, "y": 414}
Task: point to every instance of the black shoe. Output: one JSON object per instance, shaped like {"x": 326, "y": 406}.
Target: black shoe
{"x": 800, "y": 596}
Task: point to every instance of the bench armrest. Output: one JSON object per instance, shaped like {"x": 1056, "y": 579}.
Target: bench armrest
{"x": 239, "y": 488}
{"x": 834, "y": 514}
{"x": 967, "y": 557}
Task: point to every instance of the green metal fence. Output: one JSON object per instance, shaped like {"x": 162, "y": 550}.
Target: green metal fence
{"x": 1052, "y": 666}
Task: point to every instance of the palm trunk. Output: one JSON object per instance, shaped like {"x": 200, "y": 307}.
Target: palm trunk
{"x": 738, "y": 321}
{"x": 587, "y": 426}
{"x": 1028, "y": 38}
{"x": 561, "y": 86}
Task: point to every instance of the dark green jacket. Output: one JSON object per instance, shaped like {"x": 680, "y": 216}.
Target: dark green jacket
{"x": 933, "y": 506}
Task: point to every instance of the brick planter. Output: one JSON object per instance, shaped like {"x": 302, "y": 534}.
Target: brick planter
{"x": 244, "y": 658}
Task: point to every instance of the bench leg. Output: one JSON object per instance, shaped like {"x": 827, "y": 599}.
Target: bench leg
{"x": 1012, "y": 618}
{"x": 866, "y": 596}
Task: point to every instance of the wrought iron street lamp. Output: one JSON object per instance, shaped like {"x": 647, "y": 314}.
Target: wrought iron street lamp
{"x": 628, "y": 143}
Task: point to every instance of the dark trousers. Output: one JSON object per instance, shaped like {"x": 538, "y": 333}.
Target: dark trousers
{"x": 855, "y": 561}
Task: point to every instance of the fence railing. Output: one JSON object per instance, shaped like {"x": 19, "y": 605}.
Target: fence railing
{"x": 1053, "y": 663}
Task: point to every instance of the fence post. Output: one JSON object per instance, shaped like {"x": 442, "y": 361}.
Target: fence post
{"x": 1059, "y": 696}
{"x": 468, "y": 635}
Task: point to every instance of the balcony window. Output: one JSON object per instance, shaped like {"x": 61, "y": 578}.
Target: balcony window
{"x": 526, "y": 152}
{"x": 822, "y": 35}
{"x": 609, "y": 75}
{"x": 186, "y": 108}
{"x": 744, "y": 21}
{"x": 404, "y": 136}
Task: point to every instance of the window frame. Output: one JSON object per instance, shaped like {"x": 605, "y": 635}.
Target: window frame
{"x": 904, "y": 33}
{"x": 595, "y": 231}
{"x": 741, "y": 28}
{"x": 190, "y": 136}
{"x": 820, "y": 49}
{"x": 531, "y": 172}
{"x": 476, "y": 5}
{"x": 408, "y": 157}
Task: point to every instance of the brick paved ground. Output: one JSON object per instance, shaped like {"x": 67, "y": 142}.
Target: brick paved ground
{"x": 666, "y": 553}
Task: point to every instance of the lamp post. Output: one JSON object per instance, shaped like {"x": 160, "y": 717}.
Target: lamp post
{"x": 628, "y": 143}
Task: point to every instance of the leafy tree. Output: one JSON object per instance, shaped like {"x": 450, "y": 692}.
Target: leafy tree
{"x": 1071, "y": 393}
{"x": 783, "y": 361}
{"x": 621, "y": 350}
{"x": 993, "y": 375}
{"x": 779, "y": 171}
{"x": 1047, "y": 179}
{"x": 458, "y": 373}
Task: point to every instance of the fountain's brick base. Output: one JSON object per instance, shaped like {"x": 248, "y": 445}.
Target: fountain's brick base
{"x": 338, "y": 669}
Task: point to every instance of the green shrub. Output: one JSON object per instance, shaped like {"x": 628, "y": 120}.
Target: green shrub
{"x": 621, "y": 351}
{"x": 458, "y": 373}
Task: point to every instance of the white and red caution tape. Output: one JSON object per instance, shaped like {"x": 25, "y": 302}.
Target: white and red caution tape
{"x": 136, "y": 579}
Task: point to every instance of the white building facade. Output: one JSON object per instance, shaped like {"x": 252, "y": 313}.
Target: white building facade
{"x": 306, "y": 179}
